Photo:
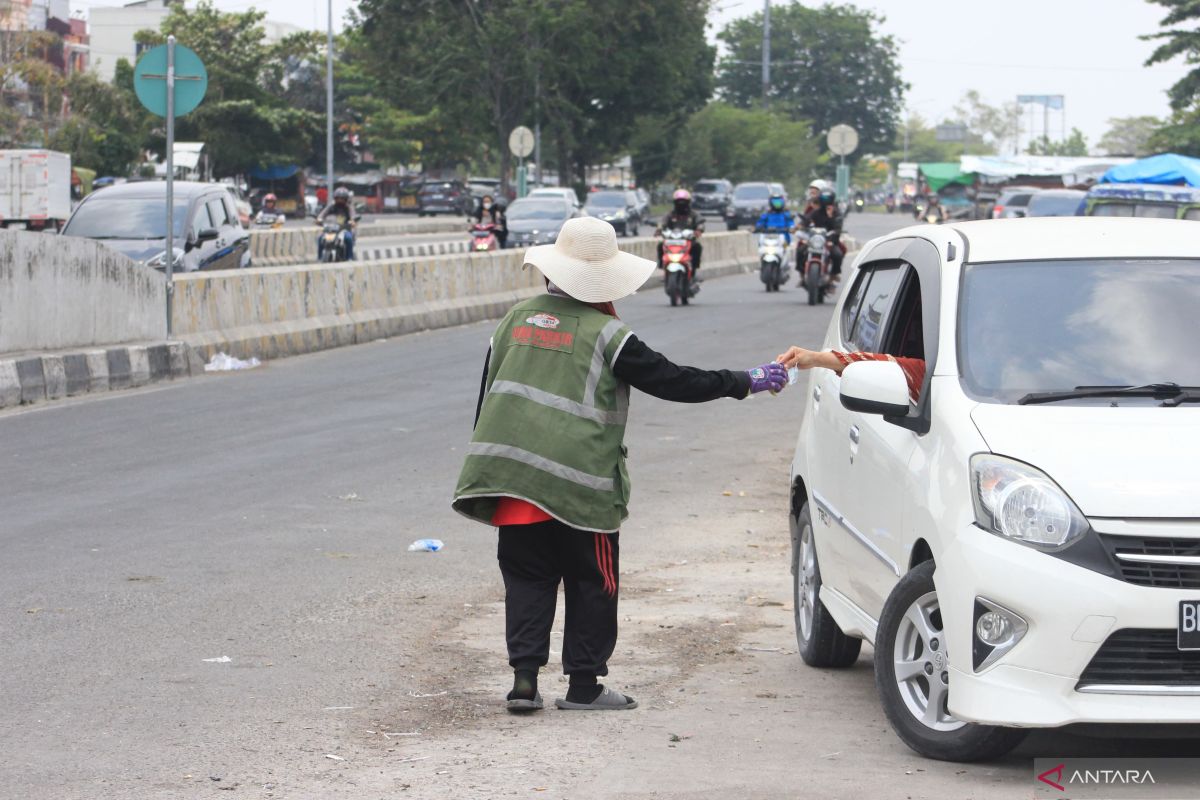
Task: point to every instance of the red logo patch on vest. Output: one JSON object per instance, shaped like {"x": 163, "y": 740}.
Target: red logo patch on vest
{"x": 544, "y": 320}
{"x": 547, "y": 332}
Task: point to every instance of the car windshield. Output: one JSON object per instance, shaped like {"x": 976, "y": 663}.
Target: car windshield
{"x": 126, "y": 218}
{"x": 707, "y": 187}
{"x": 537, "y": 209}
{"x": 606, "y": 200}
{"x": 1047, "y": 326}
{"x": 754, "y": 191}
{"x": 1054, "y": 205}
{"x": 437, "y": 187}
{"x": 1015, "y": 200}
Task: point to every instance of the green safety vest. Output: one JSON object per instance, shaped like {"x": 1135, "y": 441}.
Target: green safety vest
{"x": 552, "y": 424}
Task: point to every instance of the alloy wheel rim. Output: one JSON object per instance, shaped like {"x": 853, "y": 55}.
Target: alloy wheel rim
{"x": 921, "y": 663}
{"x": 806, "y": 583}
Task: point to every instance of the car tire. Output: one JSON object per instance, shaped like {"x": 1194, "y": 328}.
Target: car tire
{"x": 733, "y": 226}
{"x": 819, "y": 639}
{"x": 910, "y": 632}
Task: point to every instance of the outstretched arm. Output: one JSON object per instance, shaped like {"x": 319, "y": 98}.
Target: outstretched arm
{"x": 913, "y": 368}
{"x": 656, "y": 375}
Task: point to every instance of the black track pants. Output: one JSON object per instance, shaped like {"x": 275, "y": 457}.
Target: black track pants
{"x": 533, "y": 559}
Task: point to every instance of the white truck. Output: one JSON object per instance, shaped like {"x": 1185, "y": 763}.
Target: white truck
{"x": 35, "y": 189}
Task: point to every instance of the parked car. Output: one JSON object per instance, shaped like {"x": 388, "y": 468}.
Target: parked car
{"x": 1013, "y": 201}
{"x": 1143, "y": 200}
{"x": 478, "y": 187}
{"x": 749, "y": 202}
{"x": 618, "y": 208}
{"x": 564, "y": 192}
{"x": 537, "y": 220}
{"x": 1055, "y": 203}
{"x": 1016, "y": 536}
{"x": 130, "y": 218}
{"x": 444, "y": 197}
{"x": 712, "y": 196}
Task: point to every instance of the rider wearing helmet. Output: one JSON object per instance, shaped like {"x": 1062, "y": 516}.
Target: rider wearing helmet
{"x": 682, "y": 216}
{"x": 776, "y": 218}
{"x": 491, "y": 211}
{"x": 268, "y": 207}
{"x": 814, "y": 192}
{"x": 934, "y": 207}
{"x": 825, "y": 215}
{"x": 342, "y": 211}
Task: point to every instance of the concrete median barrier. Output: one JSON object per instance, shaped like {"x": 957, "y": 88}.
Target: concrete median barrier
{"x": 291, "y": 246}
{"x": 274, "y": 312}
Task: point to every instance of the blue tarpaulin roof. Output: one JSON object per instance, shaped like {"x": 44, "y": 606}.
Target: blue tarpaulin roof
{"x": 1168, "y": 168}
{"x": 276, "y": 173}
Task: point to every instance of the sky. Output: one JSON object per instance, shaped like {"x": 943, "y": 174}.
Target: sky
{"x": 1087, "y": 50}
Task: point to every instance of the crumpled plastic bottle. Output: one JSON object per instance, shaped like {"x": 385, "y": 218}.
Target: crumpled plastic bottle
{"x": 426, "y": 545}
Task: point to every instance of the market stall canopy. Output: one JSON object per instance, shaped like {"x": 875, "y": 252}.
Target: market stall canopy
{"x": 274, "y": 173}
{"x": 939, "y": 174}
{"x": 1168, "y": 168}
{"x": 187, "y": 154}
{"x": 1072, "y": 169}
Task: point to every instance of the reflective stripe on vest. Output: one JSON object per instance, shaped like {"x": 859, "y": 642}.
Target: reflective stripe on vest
{"x": 593, "y": 379}
{"x": 532, "y": 393}
{"x": 544, "y": 464}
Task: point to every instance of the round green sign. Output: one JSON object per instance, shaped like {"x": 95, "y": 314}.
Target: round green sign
{"x": 150, "y": 80}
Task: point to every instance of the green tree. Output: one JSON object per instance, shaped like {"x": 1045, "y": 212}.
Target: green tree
{"x": 745, "y": 144}
{"x": 989, "y": 127}
{"x": 105, "y": 128}
{"x": 245, "y": 120}
{"x": 1073, "y": 145}
{"x": 30, "y": 88}
{"x": 916, "y": 141}
{"x": 829, "y": 66}
{"x": 1129, "y": 136}
{"x": 1180, "y": 36}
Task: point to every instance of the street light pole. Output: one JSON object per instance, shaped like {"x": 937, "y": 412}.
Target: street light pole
{"x": 329, "y": 108}
{"x": 766, "y": 52}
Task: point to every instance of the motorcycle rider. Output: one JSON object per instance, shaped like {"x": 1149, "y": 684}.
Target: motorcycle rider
{"x": 494, "y": 212}
{"x": 344, "y": 214}
{"x": 683, "y": 217}
{"x": 814, "y": 193}
{"x": 934, "y": 207}
{"x": 268, "y": 208}
{"x": 826, "y": 216}
{"x": 776, "y": 219}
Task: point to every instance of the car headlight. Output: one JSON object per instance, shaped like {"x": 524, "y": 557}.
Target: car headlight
{"x": 160, "y": 261}
{"x": 817, "y": 242}
{"x": 1022, "y": 503}
{"x": 619, "y": 215}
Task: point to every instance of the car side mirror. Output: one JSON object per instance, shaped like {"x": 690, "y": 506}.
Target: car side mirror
{"x": 207, "y": 235}
{"x": 875, "y": 387}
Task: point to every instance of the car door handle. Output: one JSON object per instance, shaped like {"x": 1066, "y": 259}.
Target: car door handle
{"x": 817, "y": 394}
{"x": 854, "y": 434}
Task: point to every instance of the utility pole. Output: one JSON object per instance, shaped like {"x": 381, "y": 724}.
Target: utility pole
{"x": 766, "y": 53}
{"x": 537, "y": 126}
{"x": 329, "y": 108}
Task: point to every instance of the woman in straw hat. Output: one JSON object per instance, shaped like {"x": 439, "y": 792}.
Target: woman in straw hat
{"x": 546, "y": 464}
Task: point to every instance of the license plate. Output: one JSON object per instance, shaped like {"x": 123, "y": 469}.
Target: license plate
{"x": 1189, "y": 625}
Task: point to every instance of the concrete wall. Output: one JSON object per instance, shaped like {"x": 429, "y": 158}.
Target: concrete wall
{"x": 278, "y": 311}
{"x": 60, "y": 292}
{"x": 286, "y": 246}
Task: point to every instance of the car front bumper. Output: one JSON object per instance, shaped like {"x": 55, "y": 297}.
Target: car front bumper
{"x": 742, "y": 216}
{"x": 1071, "y": 611}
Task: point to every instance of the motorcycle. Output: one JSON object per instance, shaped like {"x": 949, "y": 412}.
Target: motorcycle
{"x": 677, "y": 261}
{"x": 774, "y": 259}
{"x": 817, "y": 263}
{"x": 333, "y": 242}
{"x": 859, "y": 204}
{"x": 268, "y": 219}
{"x": 483, "y": 237}
{"x": 890, "y": 205}
{"x": 933, "y": 218}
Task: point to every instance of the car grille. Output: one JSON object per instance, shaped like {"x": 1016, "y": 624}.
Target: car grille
{"x": 1154, "y": 561}
{"x": 1142, "y": 657}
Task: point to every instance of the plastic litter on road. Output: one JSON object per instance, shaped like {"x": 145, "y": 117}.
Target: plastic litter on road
{"x": 218, "y": 660}
{"x": 426, "y": 545}
{"x": 223, "y": 362}
{"x": 335, "y": 758}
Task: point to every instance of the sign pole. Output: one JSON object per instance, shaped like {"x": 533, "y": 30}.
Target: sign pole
{"x": 170, "y": 250}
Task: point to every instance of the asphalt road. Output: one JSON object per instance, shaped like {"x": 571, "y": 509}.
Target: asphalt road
{"x": 206, "y": 584}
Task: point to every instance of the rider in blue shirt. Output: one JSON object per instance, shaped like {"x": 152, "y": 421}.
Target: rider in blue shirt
{"x": 776, "y": 219}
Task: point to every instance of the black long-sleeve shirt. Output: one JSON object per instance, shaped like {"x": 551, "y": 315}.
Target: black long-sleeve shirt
{"x": 653, "y": 373}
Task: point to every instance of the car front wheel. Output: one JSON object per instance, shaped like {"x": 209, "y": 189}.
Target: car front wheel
{"x": 820, "y": 640}
{"x": 912, "y": 675}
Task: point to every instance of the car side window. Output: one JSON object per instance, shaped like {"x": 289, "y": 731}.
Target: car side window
{"x": 201, "y": 221}
{"x": 854, "y": 303}
{"x": 231, "y": 210}
{"x": 216, "y": 210}
{"x": 877, "y": 300}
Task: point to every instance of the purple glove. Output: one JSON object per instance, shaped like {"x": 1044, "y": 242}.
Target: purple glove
{"x": 768, "y": 378}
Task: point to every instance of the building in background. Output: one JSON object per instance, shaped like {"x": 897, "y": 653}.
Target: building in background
{"x": 112, "y": 30}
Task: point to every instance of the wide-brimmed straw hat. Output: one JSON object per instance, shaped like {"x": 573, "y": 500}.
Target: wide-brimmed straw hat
{"x": 586, "y": 264}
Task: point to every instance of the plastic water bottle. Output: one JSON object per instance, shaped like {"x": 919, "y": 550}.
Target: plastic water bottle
{"x": 793, "y": 376}
{"x": 426, "y": 545}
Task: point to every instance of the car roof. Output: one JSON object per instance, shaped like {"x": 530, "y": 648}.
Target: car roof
{"x": 1146, "y": 191}
{"x": 184, "y": 190}
{"x": 1055, "y": 238}
{"x": 1060, "y": 193}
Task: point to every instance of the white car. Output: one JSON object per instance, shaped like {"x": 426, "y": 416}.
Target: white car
{"x": 565, "y": 192}
{"x": 1021, "y": 544}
